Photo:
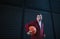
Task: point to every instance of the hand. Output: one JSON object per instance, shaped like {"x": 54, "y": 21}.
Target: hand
{"x": 44, "y": 35}
{"x": 29, "y": 32}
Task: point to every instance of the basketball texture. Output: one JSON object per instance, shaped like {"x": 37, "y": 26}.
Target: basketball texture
{"x": 32, "y": 29}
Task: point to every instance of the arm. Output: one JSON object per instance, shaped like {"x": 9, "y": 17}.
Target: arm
{"x": 27, "y": 29}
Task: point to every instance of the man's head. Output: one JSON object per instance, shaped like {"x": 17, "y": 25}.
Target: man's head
{"x": 39, "y": 17}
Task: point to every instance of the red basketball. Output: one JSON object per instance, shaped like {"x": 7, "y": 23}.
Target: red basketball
{"x": 32, "y": 29}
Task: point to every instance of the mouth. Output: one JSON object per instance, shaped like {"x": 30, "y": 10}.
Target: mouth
{"x": 40, "y": 20}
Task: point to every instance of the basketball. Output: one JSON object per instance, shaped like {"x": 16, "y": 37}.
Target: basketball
{"x": 32, "y": 29}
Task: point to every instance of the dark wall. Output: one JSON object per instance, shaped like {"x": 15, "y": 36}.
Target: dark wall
{"x": 14, "y": 14}
{"x": 56, "y": 18}
{"x": 10, "y": 22}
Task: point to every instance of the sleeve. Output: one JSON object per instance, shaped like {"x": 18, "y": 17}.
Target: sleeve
{"x": 43, "y": 29}
{"x": 26, "y": 28}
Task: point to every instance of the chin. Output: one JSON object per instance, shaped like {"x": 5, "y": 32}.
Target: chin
{"x": 39, "y": 20}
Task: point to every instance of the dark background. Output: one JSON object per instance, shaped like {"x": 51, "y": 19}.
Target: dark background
{"x": 14, "y": 14}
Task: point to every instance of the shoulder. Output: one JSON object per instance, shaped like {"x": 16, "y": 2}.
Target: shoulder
{"x": 31, "y": 22}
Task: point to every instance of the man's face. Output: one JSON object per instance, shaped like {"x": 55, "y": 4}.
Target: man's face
{"x": 39, "y": 17}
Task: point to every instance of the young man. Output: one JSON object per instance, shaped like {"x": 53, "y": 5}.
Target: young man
{"x": 38, "y": 28}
